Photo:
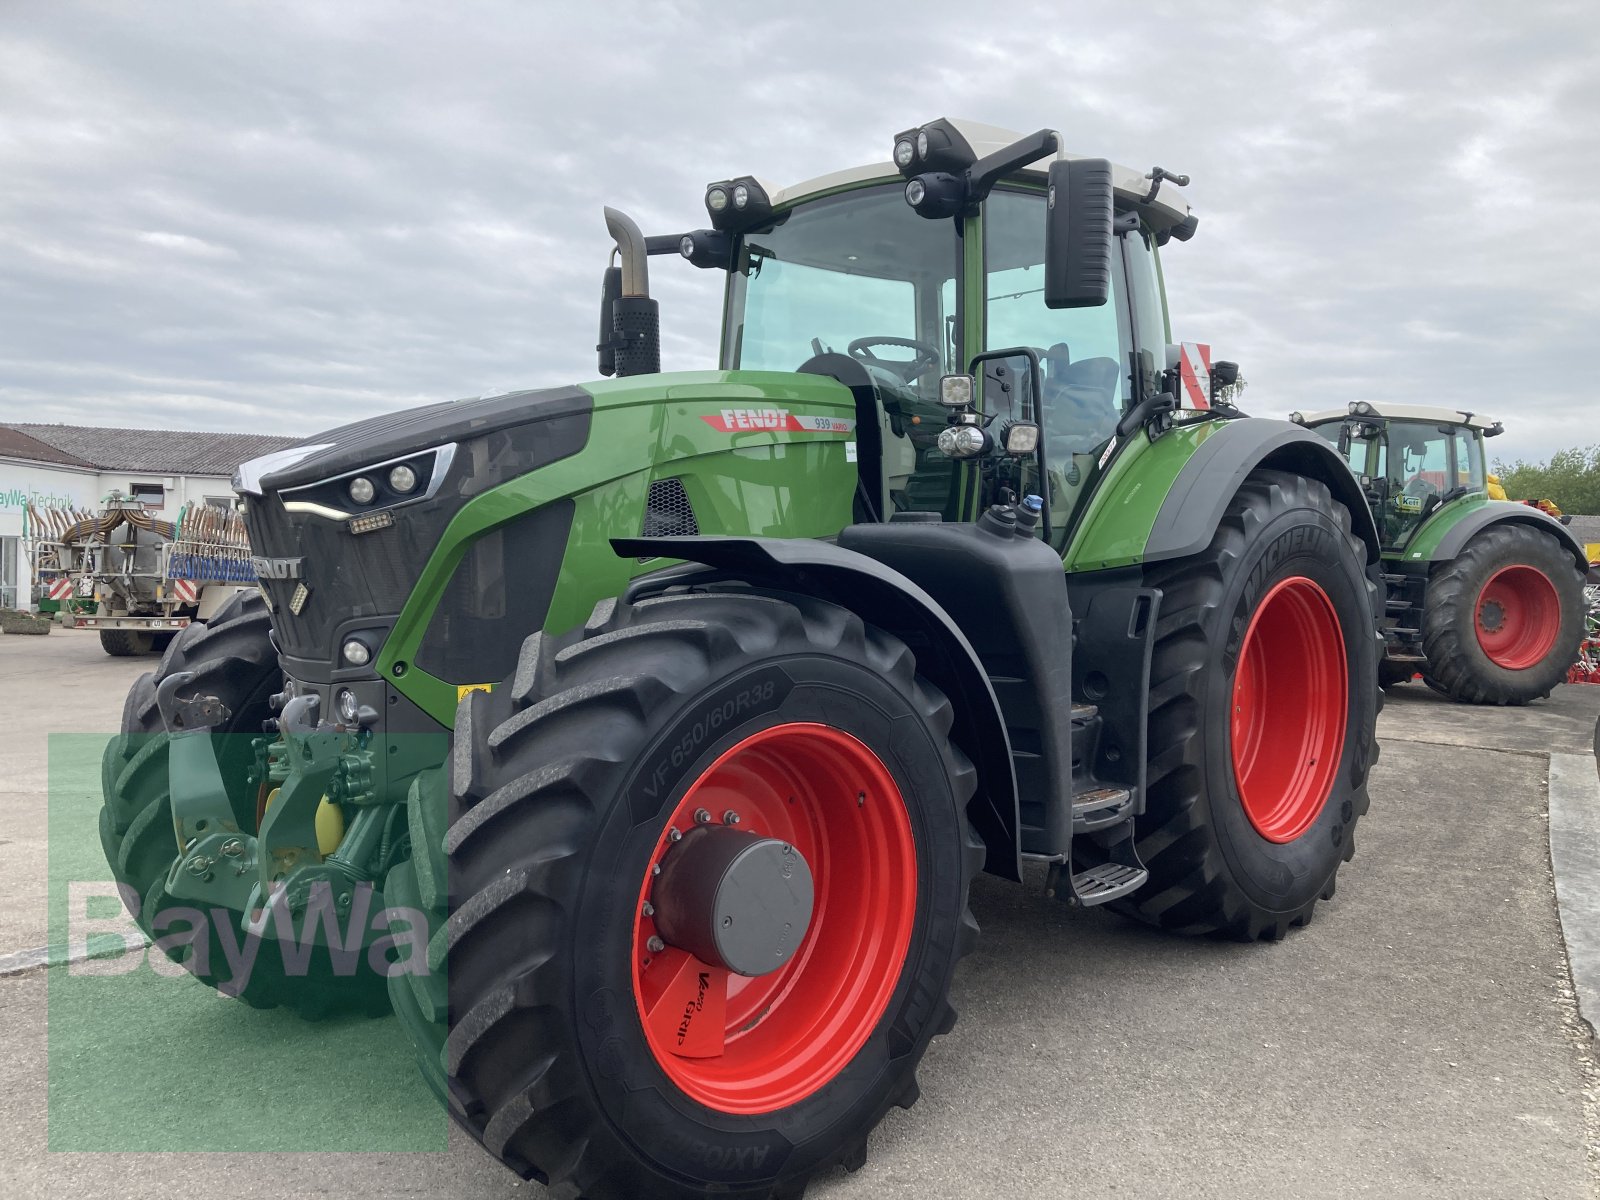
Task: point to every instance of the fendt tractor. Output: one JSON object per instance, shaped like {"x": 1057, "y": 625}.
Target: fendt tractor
{"x": 648, "y": 733}
{"x": 1484, "y": 597}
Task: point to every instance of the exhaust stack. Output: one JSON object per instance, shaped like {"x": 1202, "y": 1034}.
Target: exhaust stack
{"x": 634, "y": 318}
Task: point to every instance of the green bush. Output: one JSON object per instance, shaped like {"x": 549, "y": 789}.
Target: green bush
{"x": 1571, "y": 478}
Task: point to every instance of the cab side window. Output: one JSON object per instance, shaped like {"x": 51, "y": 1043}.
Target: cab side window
{"x": 1084, "y": 351}
{"x": 1469, "y": 461}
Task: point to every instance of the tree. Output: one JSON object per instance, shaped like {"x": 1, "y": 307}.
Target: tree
{"x": 1571, "y": 478}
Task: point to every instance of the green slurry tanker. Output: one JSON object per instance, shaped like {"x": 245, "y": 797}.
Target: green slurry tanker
{"x": 638, "y": 741}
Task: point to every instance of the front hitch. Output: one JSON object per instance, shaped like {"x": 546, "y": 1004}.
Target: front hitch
{"x": 277, "y": 877}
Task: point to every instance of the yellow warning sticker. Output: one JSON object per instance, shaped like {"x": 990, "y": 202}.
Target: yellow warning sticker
{"x": 463, "y": 688}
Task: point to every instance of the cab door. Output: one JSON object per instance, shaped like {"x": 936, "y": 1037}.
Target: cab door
{"x": 1086, "y": 354}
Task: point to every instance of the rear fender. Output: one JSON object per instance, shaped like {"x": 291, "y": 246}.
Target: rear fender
{"x": 1450, "y": 538}
{"x": 885, "y": 598}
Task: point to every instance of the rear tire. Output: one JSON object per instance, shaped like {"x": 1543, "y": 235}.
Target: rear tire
{"x": 1501, "y": 622}
{"x": 126, "y": 643}
{"x": 563, "y": 785}
{"x": 1284, "y": 548}
{"x": 232, "y": 658}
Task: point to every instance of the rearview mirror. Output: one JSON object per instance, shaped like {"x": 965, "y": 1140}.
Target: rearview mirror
{"x": 1077, "y": 234}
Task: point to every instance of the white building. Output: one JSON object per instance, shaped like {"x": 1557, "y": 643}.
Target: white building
{"x": 77, "y": 465}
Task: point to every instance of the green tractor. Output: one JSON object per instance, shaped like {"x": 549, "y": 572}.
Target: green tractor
{"x": 639, "y": 741}
{"x": 1485, "y": 597}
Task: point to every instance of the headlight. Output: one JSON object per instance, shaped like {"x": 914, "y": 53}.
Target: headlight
{"x": 963, "y": 441}
{"x": 922, "y": 143}
{"x": 686, "y": 245}
{"x": 915, "y": 191}
{"x": 741, "y": 196}
{"x": 356, "y": 653}
{"x": 717, "y": 199}
{"x": 349, "y": 710}
{"x": 402, "y": 479}
{"x": 904, "y": 152}
{"x": 361, "y": 490}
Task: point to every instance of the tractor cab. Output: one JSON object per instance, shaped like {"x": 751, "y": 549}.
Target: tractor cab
{"x": 951, "y": 260}
{"x": 1411, "y": 461}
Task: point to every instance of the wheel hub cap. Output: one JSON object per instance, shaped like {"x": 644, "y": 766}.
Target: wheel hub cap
{"x": 734, "y": 900}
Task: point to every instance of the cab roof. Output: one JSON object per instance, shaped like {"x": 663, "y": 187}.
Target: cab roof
{"x": 1167, "y": 208}
{"x": 1403, "y": 412}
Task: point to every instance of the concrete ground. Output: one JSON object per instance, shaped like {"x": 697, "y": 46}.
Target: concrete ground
{"x": 1419, "y": 1039}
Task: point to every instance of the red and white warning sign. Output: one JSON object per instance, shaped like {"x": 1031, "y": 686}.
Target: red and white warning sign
{"x": 740, "y": 420}
{"x": 1194, "y": 367}
{"x": 60, "y": 588}
{"x": 185, "y": 590}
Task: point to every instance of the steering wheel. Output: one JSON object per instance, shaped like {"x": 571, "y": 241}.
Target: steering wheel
{"x": 926, "y": 356}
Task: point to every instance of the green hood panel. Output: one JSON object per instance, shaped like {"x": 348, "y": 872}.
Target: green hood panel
{"x": 756, "y": 452}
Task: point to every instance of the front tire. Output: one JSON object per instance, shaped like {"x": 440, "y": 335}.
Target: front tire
{"x": 588, "y": 1051}
{"x": 1502, "y": 621}
{"x": 1263, "y": 705}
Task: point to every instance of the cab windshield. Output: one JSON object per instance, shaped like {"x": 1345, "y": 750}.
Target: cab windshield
{"x": 862, "y": 275}
{"x": 841, "y": 276}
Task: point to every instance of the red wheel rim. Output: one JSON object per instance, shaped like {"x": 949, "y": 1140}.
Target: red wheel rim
{"x": 1518, "y": 617}
{"x": 1290, "y": 694}
{"x": 753, "y": 1045}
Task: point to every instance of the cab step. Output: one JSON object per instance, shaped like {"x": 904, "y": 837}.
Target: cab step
{"x": 1107, "y": 881}
{"x": 1100, "y": 808}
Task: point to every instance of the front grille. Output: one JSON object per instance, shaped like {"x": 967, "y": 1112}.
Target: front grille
{"x": 346, "y": 575}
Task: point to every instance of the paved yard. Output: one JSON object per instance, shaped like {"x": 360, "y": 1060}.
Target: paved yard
{"x": 1419, "y": 1039}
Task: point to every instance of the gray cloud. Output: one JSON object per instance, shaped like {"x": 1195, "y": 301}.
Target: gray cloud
{"x": 280, "y": 216}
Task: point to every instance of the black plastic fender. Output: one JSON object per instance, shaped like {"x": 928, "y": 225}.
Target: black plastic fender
{"x": 888, "y": 599}
{"x": 1199, "y": 496}
{"x": 1498, "y": 512}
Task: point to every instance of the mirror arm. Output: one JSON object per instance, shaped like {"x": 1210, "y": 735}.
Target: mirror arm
{"x": 1145, "y": 411}
{"x": 991, "y": 168}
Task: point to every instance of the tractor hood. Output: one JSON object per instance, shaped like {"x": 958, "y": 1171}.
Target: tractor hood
{"x": 340, "y": 547}
{"x": 363, "y": 444}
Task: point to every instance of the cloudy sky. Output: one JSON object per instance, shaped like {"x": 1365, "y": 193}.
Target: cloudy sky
{"x": 280, "y": 216}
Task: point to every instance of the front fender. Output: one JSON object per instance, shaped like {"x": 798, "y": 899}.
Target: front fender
{"x": 885, "y": 598}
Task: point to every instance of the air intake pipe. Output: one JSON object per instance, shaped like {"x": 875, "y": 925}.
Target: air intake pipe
{"x": 635, "y": 319}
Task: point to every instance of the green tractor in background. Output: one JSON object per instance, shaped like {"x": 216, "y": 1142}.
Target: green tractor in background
{"x": 1485, "y": 597}
{"x": 639, "y": 741}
